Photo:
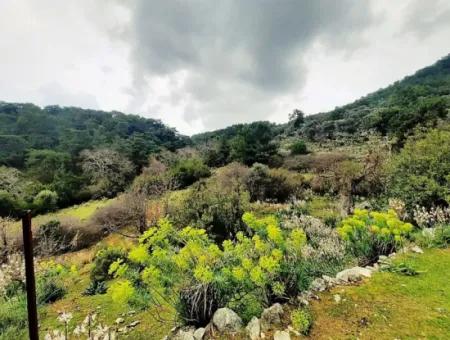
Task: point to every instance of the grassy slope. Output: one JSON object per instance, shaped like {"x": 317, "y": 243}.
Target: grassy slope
{"x": 81, "y": 212}
{"x": 391, "y": 306}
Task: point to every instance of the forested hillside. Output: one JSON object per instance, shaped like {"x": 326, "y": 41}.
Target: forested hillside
{"x": 44, "y": 157}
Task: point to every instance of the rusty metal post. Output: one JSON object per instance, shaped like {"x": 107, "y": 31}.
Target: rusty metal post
{"x": 30, "y": 280}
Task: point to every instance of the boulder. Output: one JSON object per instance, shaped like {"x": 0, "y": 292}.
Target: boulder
{"x": 271, "y": 317}
{"x": 199, "y": 333}
{"x": 253, "y": 328}
{"x": 281, "y": 335}
{"x": 417, "y": 250}
{"x": 183, "y": 335}
{"x": 354, "y": 274}
{"x": 318, "y": 285}
{"x": 226, "y": 320}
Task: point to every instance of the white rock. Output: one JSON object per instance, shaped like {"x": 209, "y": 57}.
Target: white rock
{"x": 225, "y": 319}
{"x": 318, "y": 284}
{"x": 183, "y": 335}
{"x": 281, "y": 335}
{"x": 253, "y": 328}
{"x": 353, "y": 274}
{"x": 337, "y": 298}
{"x": 271, "y": 317}
{"x": 199, "y": 333}
{"x": 120, "y": 320}
{"x": 134, "y": 323}
{"x": 417, "y": 250}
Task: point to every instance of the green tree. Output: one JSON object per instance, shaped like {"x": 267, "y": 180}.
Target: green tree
{"x": 420, "y": 173}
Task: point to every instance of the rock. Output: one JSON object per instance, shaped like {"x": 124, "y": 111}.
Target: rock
{"x": 337, "y": 298}
{"x": 354, "y": 274}
{"x": 199, "y": 333}
{"x": 281, "y": 335}
{"x": 183, "y": 335}
{"x": 392, "y": 254}
{"x": 302, "y": 300}
{"x": 330, "y": 281}
{"x": 271, "y": 317}
{"x": 382, "y": 258}
{"x": 253, "y": 328}
{"x": 417, "y": 250}
{"x": 120, "y": 320}
{"x": 224, "y": 319}
{"x": 134, "y": 323}
{"x": 318, "y": 285}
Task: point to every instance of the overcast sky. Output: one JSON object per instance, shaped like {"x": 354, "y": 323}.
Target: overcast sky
{"x": 202, "y": 65}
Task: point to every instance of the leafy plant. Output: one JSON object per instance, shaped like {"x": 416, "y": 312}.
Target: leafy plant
{"x": 369, "y": 234}
{"x": 301, "y": 321}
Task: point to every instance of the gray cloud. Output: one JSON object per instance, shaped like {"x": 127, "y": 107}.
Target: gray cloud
{"x": 424, "y": 18}
{"x": 238, "y": 56}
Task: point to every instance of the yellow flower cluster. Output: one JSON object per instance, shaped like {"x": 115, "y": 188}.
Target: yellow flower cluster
{"x": 382, "y": 225}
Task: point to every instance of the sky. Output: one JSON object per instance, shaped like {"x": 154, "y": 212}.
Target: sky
{"x": 203, "y": 65}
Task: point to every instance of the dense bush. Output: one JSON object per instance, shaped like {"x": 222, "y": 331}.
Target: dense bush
{"x": 278, "y": 185}
{"x": 188, "y": 171}
{"x": 175, "y": 261}
{"x": 216, "y": 204}
{"x": 103, "y": 260}
{"x": 301, "y": 321}
{"x": 299, "y": 148}
{"x": 370, "y": 234}
{"x": 419, "y": 174}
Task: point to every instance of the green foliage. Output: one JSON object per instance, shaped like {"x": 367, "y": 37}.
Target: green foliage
{"x": 299, "y": 148}
{"x": 187, "y": 171}
{"x": 419, "y": 174}
{"x": 13, "y": 317}
{"x": 121, "y": 291}
{"x": 278, "y": 185}
{"x": 177, "y": 261}
{"x": 216, "y": 205}
{"x": 45, "y": 200}
{"x": 253, "y": 143}
{"x": 103, "y": 260}
{"x": 402, "y": 268}
{"x": 301, "y": 321}
{"x": 369, "y": 234}
{"x": 247, "y": 305}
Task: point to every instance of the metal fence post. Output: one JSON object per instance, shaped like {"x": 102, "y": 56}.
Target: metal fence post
{"x": 30, "y": 279}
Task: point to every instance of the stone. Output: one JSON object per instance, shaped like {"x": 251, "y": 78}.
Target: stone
{"x": 134, "y": 323}
{"x": 382, "y": 258}
{"x": 183, "y": 335}
{"x": 253, "y": 328}
{"x": 199, "y": 333}
{"x": 281, "y": 335}
{"x": 318, "y": 285}
{"x": 417, "y": 250}
{"x": 226, "y": 320}
{"x": 330, "y": 281}
{"x": 354, "y": 274}
{"x": 120, "y": 320}
{"x": 271, "y": 317}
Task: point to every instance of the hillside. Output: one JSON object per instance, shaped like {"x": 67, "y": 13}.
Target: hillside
{"x": 421, "y": 98}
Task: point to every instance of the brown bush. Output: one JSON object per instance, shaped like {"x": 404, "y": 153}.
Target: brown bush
{"x": 320, "y": 162}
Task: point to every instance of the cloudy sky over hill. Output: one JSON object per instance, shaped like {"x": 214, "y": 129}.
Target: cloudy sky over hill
{"x": 201, "y": 65}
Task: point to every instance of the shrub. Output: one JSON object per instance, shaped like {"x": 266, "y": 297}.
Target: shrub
{"x": 301, "y": 321}
{"x": 49, "y": 289}
{"x": 299, "y": 148}
{"x": 187, "y": 171}
{"x": 187, "y": 263}
{"x": 418, "y": 175}
{"x": 216, "y": 205}
{"x": 103, "y": 260}
{"x": 13, "y": 317}
{"x": 272, "y": 184}
{"x": 370, "y": 234}
{"x": 45, "y": 200}
{"x": 51, "y": 238}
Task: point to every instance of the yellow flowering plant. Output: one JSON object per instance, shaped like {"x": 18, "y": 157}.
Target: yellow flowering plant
{"x": 189, "y": 264}
{"x": 371, "y": 233}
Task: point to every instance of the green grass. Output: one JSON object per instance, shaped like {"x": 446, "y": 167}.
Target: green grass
{"x": 81, "y": 212}
{"x": 391, "y": 306}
